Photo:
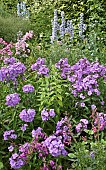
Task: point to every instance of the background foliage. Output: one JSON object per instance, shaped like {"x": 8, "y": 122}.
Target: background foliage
{"x": 41, "y": 13}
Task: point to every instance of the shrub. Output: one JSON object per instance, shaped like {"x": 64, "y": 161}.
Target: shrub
{"x": 10, "y": 26}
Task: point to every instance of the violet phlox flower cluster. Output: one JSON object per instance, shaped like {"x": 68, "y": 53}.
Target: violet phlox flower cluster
{"x": 10, "y": 134}
{"x": 64, "y": 67}
{"x": 16, "y": 162}
{"x": 84, "y": 77}
{"x": 10, "y": 60}
{"x": 40, "y": 67}
{"x": 27, "y": 115}
{"x": 28, "y": 88}
{"x": 63, "y": 130}
{"x": 82, "y": 125}
{"x": 55, "y": 146}
{"x": 46, "y": 115}
{"x": 12, "y": 99}
{"x": 100, "y": 121}
{"x": 21, "y": 45}
{"x": 12, "y": 71}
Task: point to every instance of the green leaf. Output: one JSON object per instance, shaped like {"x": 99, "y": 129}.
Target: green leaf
{"x": 59, "y": 96}
{"x": 1, "y": 165}
{"x": 60, "y": 103}
{"x": 89, "y": 168}
{"x": 72, "y": 155}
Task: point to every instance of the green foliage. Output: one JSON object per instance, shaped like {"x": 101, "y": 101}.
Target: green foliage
{"x": 9, "y": 6}
{"x": 51, "y": 92}
{"x": 92, "y": 47}
{"x": 41, "y": 14}
{"x": 89, "y": 159}
{"x": 9, "y": 27}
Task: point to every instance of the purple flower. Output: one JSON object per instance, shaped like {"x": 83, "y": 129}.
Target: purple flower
{"x": 85, "y": 121}
{"x": 37, "y": 132}
{"x": 13, "y": 136}
{"x": 52, "y": 113}
{"x": 93, "y": 107}
{"x": 12, "y": 71}
{"x": 82, "y": 96}
{"x": 82, "y": 104}
{"x": 25, "y": 148}
{"x": 63, "y": 130}
{"x": 9, "y": 135}
{"x": 97, "y": 92}
{"x": 12, "y": 99}
{"x": 27, "y": 115}
{"x": 78, "y": 127}
{"x": 101, "y": 120}
{"x": 59, "y": 168}
{"x": 92, "y": 155}
{"x": 16, "y": 162}
{"x": 89, "y": 93}
{"x": 83, "y": 76}
{"x": 82, "y": 125}
{"x": 102, "y": 103}
{"x": 40, "y": 67}
{"x": 28, "y": 88}
{"x": 23, "y": 128}
{"x": 10, "y": 60}
{"x": 10, "y": 148}
{"x": 55, "y": 146}
{"x": 45, "y": 114}
{"x": 43, "y": 70}
{"x": 64, "y": 67}
{"x": 52, "y": 163}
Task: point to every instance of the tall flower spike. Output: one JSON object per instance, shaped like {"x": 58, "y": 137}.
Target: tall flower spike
{"x": 62, "y": 26}
{"x": 21, "y": 9}
{"x": 18, "y": 9}
{"x": 55, "y": 27}
{"x": 82, "y": 26}
{"x": 70, "y": 29}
